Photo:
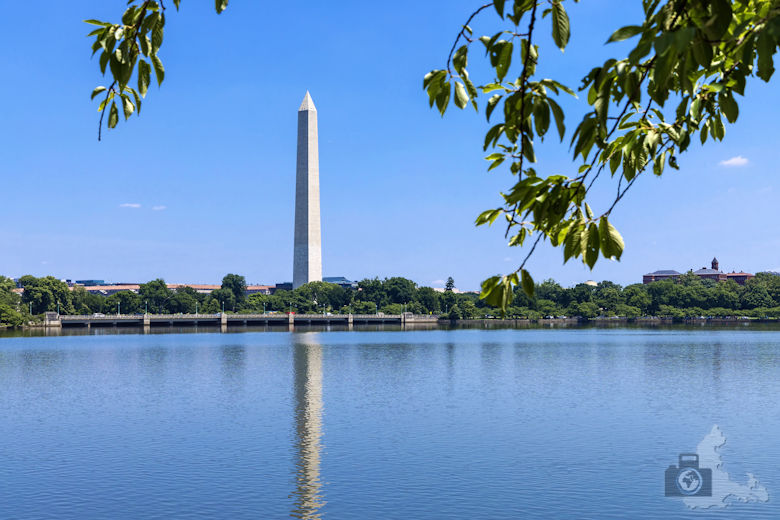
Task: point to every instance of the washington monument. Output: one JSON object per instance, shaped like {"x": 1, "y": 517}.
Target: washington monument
{"x": 307, "y": 254}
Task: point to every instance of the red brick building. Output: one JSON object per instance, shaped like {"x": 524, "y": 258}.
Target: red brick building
{"x": 711, "y": 273}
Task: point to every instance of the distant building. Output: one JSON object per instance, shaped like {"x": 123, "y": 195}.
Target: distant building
{"x": 201, "y": 288}
{"x": 108, "y": 290}
{"x": 741, "y": 278}
{"x": 711, "y": 273}
{"x": 454, "y": 290}
{"x": 261, "y": 289}
{"x": 657, "y": 276}
{"x": 90, "y": 282}
{"x": 341, "y": 281}
{"x": 284, "y": 286}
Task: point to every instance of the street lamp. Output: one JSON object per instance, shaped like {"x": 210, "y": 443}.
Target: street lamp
{"x": 117, "y": 308}
{"x": 223, "y": 306}
{"x": 196, "y": 308}
{"x": 263, "y": 307}
{"x": 146, "y": 307}
{"x": 58, "y": 308}
{"x": 376, "y": 309}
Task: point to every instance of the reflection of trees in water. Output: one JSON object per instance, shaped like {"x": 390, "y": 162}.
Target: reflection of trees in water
{"x": 307, "y": 366}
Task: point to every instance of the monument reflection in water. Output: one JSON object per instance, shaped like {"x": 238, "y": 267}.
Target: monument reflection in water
{"x": 307, "y": 366}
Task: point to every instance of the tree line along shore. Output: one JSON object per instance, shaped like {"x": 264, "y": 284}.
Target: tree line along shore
{"x": 687, "y": 297}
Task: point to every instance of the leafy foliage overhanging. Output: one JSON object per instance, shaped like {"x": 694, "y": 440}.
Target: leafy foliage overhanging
{"x": 679, "y": 82}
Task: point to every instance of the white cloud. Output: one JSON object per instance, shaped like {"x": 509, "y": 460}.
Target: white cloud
{"x": 158, "y": 208}
{"x": 133, "y": 205}
{"x": 507, "y": 259}
{"x": 735, "y": 162}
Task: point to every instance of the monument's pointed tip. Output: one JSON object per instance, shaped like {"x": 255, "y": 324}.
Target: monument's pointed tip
{"x": 307, "y": 104}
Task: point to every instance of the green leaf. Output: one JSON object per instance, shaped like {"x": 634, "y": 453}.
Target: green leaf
{"x": 765, "y": 46}
{"x": 560, "y": 21}
{"x": 443, "y": 97}
{"x": 113, "y": 116}
{"x": 624, "y": 33}
{"x": 591, "y": 245}
{"x": 504, "y": 60}
{"x": 461, "y": 97}
{"x": 137, "y": 101}
{"x": 499, "y": 5}
{"x": 97, "y": 91}
{"x": 157, "y": 37}
{"x": 527, "y": 283}
{"x": 127, "y": 106}
{"x": 611, "y": 242}
{"x": 614, "y": 161}
{"x": 558, "y": 115}
{"x": 541, "y": 118}
{"x": 728, "y": 106}
{"x": 104, "y": 57}
{"x": 492, "y": 291}
{"x": 220, "y": 5}
{"x": 97, "y": 22}
{"x": 488, "y": 217}
{"x": 460, "y": 59}
{"x": 159, "y": 70}
{"x": 491, "y": 105}
{"x": 144, "y": 76}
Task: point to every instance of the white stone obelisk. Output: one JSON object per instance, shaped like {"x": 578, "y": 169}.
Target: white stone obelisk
{"x": 307, "y": 254}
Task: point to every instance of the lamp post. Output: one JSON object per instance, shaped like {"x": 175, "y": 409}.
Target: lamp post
{"x": 30, "y": 308}
{"x": 196, "y": 308}
{"x": 146, "y": 307}
{"x": 117, "y": 308}
{"x": 263, "y": 307}
{"x": 223, "y": 306}
{"x": 376, "y": 309}
{"x": 58, "y": 308}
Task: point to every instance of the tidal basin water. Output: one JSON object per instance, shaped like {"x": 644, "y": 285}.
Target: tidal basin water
{"x": 359, "y": 425}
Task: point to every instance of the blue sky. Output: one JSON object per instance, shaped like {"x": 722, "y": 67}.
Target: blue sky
{"x": 203, "y": 182}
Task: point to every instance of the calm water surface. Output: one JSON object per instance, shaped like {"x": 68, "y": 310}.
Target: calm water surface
{"x": 343, "y": 425}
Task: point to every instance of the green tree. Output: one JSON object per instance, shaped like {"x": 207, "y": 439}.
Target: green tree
{"x": 372, "y": 290}
{"x": 450, "y": 285}
{"x": 756, "y": 295}
{"x": 400, "y": 290}
{"x": 156, "y": 294}
{"x": 46, "y": 294}
{"x": 636, "y": 296}
{"x": 10, "y": 317}
{"x": 85, "y": 302}
{"x": 468, "y": 310}
{"x": 428, "y": 298}
{"x": 226, "y": 299}
{"x": 126, "y": 302}
{"x": 184, "y": 301}
{"x": 628, "y": 311}
{"x": 678, "y": 82}
{"x": 237, "y": 285}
